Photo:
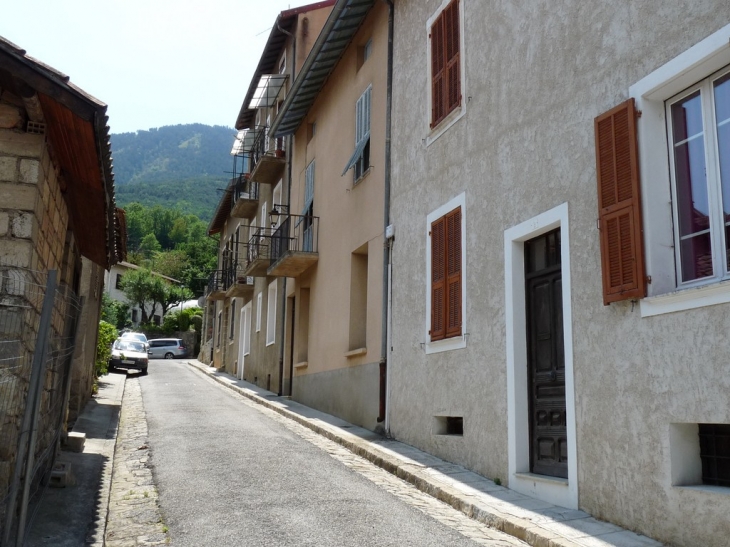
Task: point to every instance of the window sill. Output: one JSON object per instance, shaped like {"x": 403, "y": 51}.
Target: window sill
{"x": 448, "y": 344}
{"x": 270, "y": 343}
{"x": 362, "y": 177}
{"x": 450, "y": 119}
{"x": 555, "y": 481}
{"x": 356, "y": 352}
{"x": 302, "y": 365}
{"x": 686, "y": 299}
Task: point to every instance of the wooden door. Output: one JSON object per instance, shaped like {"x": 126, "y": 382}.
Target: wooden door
{"x": 545, "y": 356}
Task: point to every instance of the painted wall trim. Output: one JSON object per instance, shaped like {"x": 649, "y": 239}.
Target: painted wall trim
{"x": 519, "y": 478}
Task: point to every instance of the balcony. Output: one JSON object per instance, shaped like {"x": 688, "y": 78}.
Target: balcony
{"x": 216, "y": 287}
{"x": 245, "y": 198}
{"x": 237, "y": 284}
{"x": 268, "y": 158}
{"x": 294, "y": 246}
{"x": 257, "y": 254}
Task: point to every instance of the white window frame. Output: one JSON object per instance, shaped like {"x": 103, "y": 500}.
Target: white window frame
{"x": 276, "y": 196}
{"x": 282, "y": 63}
{"x": 247, "y": 329}
{"x": 271, "y": 314}
{"x": 714, "y": 186}
{"x": 650, "y": 93}
{"x": 455, "y": 115}
{"x": 454, "y": 342}
{"x": 259, "y": 305}
{"x": 553, "y": 490}
{"x": 264, "y": 212}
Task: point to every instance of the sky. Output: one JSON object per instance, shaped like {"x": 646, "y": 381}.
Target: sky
{"x": 154, "y": 62}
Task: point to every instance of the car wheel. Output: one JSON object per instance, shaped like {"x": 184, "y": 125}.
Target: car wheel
{"x": 169, "y": 355}
{"x": 143, "y": 372}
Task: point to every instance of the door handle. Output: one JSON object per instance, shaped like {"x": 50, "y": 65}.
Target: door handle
{"x": 553, "y": 376}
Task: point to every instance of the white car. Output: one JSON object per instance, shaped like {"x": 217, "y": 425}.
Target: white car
{"x": 140, "y": 337}
{"x": 129, "y": 354}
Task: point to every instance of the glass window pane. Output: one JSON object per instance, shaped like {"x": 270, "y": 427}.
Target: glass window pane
{"x": 722, "y": 119}
{"x": 691, "y": 185}
{"x": 696, "y": 256}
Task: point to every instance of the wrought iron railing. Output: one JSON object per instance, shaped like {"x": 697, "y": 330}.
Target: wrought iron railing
{"x": 244, "y": 188}
{"x": 259, "y": 245}
{"x": 215, "y": 282}
{"x": 295, "y": 233}
{"x": 234, "y": 274}
{"x": 264, "y": 145}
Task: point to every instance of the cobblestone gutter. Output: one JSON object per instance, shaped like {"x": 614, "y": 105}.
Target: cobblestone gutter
{"x": 134, "y": 514}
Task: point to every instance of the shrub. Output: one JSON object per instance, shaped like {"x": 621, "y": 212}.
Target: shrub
{"x": 107, "y": 335}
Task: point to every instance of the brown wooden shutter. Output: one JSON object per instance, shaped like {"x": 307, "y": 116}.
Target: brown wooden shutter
{"x": 438, "y": 279}
{"x": 453, "y": 273}
{"x": 619, "y": 204}
{"x": 437, "y": 70}
{"x": 453, "y": 77}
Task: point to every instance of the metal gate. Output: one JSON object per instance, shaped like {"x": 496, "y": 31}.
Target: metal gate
{"x": 38, "y": 321}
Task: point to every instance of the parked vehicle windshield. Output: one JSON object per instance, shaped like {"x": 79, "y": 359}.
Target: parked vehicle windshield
{"x": 129, "y": 345}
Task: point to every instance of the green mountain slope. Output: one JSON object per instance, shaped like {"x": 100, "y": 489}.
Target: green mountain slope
{"x": 176, "y": 166}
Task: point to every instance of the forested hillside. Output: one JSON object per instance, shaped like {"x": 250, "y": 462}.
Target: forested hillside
{"x": 177, "y": 166}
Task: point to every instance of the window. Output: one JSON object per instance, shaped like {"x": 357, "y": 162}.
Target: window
{"x": 218, "y": 330}
{"x": 698, "y": 125}
{"x": 232, "y": 319}
{"x": 359, "y": 298}
{"x": 271, "y": 314}
{"x": 445, "y": 46}
{"x": 715, "y": 454}
{"x": 360, "y": 159}
{"x": 445, "y": 272}
{"x": 308, "y": 210}
{"x": 118, "y": 282}
{"x": 264, "y": 216}
{"x": 282, "y": 64}
{"x": 135, "y": 315}
{"x": 156, "y": 319}
{"x": 673, "y": 254}
{"x": 277, "y": 197}
{"x": 247, "y": 329}
{"x": 259, "y": 304}
{"x": 363, "y": 53}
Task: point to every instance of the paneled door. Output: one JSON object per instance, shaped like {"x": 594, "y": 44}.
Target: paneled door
{"x": 545, "y": 356}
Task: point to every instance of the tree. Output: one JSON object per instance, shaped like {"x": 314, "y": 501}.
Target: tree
{"x": 149, "y": 245}
{"x": 114, "y": 312}
{"x": 139, "y": 287}
{"x": 171, "y": 263}
{"x": 172, "y": 296}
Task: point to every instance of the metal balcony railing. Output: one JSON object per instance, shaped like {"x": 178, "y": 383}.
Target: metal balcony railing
{"x": 259, "y": 245}
{"x": 234, "y": 274}
{"x": 244, "y": 188}
{"x": 297, "y": 233}
{"x": 265, "y": 146}
{"x": 215, "y": 282}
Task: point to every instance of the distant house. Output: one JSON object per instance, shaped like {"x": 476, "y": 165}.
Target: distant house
{"x": 113, "y": 287}
{"x": 57, "y": 214}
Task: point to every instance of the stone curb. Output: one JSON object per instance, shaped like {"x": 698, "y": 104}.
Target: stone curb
{"x": 520, "y": 528}
{"x": 133, "y": 514}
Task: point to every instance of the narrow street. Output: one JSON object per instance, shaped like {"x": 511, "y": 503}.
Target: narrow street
{"x": 230, "y": 472}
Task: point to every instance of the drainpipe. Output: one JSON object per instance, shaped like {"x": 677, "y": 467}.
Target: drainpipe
{"x": 289, "y": 143}
{"x": 384, "y": 373}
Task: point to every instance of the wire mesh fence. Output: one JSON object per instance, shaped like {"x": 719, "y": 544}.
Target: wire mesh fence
{"x": 38, "y": 321}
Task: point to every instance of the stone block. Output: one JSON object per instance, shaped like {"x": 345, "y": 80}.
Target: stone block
{"x": 17, "y": 196}
{"x": 8, "y": 168}
{"x": 61, "y": 475}
{"x": 23, "y": 226}
{"x": 16, "y": 252}
{"x": 75, "y": 441}
{"x": 13, "y": 143}
{"x": 29, "y": 170}
{"x": 4, "y": 223}
{"x": 10, "y": 116}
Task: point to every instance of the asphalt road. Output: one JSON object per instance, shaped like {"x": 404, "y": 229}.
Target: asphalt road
{"x": 229, "y": 475}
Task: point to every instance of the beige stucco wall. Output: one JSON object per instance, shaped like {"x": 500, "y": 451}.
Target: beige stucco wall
{"x": 350, "y": 219}
{"x": 536, "y": 75}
